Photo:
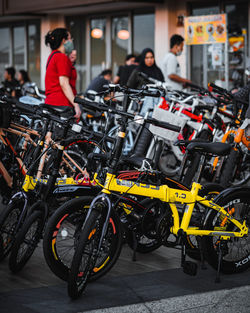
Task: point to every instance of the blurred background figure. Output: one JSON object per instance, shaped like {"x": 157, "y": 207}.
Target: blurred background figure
{"x": 98, "y": 82}
{"x": 148, "y": 66}
{"x": 23, "y": 78}
{"x": 126, "y": 70}
{"x": 10, "y": 83}
{"x": 73, "y": 57}
{"x": 171, "y": 67}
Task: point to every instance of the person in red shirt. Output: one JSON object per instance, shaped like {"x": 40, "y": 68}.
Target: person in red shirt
{"x": 73, "y": 57}
{"x": 59, "y": 83}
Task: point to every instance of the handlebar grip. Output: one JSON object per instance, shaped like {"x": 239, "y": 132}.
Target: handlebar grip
{"x": 217, "y": 88}
{"x": 91, "y": 104}
{"x": 164, "y": 125}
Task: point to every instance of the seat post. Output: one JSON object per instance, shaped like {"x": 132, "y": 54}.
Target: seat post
{"x": 200, "y": 168}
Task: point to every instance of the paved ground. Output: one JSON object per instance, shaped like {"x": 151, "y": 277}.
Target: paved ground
{"x": 154, "y": 283}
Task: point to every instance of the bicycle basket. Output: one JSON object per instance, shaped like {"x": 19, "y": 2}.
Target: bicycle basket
{"x": 166, "y": 116}
{"x": 5, "y": 114}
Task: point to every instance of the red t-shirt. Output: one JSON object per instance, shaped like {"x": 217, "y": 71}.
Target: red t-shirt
{"x": 59, "y": 65}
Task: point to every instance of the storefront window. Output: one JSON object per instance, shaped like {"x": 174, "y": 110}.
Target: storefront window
{"x": 98, "y": 46}
{"x": 34, "y": 52}
{"x": 143, "y": 32}
{"x": 120, "y": 37}
{"x": 4, "y": 50}
{"x": 19, "y": 47}
{"x": 200, "y": 52}
{"x": 77, "y": 27}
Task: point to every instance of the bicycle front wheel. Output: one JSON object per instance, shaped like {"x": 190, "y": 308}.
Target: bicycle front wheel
{"x": 26, "y": 241}
{"x": 88, "y": 258}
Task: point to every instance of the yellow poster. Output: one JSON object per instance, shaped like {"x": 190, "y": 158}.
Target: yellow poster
{"x": 205, "y": 29}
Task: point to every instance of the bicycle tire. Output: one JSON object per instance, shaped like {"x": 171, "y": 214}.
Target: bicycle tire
{"x": 26, "y": 241}
{"x": 209, "y": 190}
{"x": 78, "y": 277}
{"x": 239, "y": 200}
{"x": 229, "y": 168}
{"x": 8, "y": 222}
{"x": 62, "y": 233}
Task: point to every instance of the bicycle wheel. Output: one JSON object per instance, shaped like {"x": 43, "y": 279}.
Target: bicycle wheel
{"x": 26, "y": 241}
{"x": 87, "y": 258}
{"x": 146, "y": 237}
{"x": 230, "y": 168}
{"x": 62, "y": 234}
{"x": 210, "y": 191}
{"x": 236, "y": 250}
{"x": 8, "y": 223}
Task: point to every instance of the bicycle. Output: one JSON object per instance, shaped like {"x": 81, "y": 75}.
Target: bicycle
{"x": 217, "y": 223}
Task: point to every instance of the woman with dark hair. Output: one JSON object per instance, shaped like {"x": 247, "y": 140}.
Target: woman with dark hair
{"x": 23, "y": 77}
{"x": 59, "y": 81}
{"x": 147, "y": 66}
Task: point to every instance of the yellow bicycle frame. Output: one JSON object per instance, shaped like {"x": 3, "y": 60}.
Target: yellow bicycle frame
{"x": 172, "y": 197}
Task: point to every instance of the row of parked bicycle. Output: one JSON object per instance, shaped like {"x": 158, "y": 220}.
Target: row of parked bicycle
{"x": 118, "y": 176}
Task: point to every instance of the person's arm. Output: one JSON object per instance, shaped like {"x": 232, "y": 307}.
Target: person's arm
{"x": 116, "y": 79}
{"x": 179, "y": 79}
{"x": 67, "y": 90}
{"x": 170, "y": 67}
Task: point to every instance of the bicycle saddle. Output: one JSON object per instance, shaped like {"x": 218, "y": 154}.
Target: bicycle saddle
{"x": 216, "y": 148}
{"x": 58, "y": 110}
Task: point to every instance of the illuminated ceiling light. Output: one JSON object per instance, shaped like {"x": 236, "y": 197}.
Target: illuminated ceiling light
{"x": 96, "y": 33}
{"x": 123, "y": 34}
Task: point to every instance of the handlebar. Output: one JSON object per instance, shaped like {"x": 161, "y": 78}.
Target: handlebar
{"x": 33, "y": 110}
{"x": 227, "y": 94}
{"x": 135, "y": 92}
{"x": 103, "y": 107}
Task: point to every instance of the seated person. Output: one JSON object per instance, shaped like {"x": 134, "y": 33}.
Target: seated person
{"x": 11, "y": 84}
{"x": 101, "y": 80}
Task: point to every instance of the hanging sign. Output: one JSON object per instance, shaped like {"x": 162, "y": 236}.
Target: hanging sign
{"x": 205, "y": 29}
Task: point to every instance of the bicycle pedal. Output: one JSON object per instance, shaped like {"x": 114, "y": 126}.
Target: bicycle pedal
{"x": 190, "y": 268}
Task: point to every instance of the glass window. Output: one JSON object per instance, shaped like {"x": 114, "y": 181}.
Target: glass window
{"x": 120, "y": 37}
{"x": 98, "y": 46}
{"x": 34, "y": 52}
{"x": 4, "y": 50}
{"x": 19, "y": 47}
{"x": 77, "y": 28}
{"x": 237, "y": 16}
{"x": 143, "y": 32}
{"x": 197, "y": 51}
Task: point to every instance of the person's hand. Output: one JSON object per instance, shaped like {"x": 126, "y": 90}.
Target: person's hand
{"x": 185, "y": 84}
{"x": 77, "y": 111}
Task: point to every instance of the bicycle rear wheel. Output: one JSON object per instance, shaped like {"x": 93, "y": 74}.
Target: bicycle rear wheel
{"x": 236, "y": 250}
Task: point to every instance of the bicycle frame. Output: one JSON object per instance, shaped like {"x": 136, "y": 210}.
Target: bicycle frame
{"x": 172, "y": 196}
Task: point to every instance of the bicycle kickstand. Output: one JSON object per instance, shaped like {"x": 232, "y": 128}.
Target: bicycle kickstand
{"x": 203, "y": 265}
{"x": 188, "y": 267}
{"x": 217, "y": 278}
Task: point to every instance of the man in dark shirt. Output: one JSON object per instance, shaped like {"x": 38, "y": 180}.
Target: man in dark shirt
{"x": 125, "y": 71}
{"x": 98, "y": 82}
{"x": 11, "y": 85}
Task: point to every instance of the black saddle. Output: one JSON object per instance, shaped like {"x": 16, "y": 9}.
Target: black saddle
{"x": 58, "y": 110}
{"x": 216, "y": 148}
